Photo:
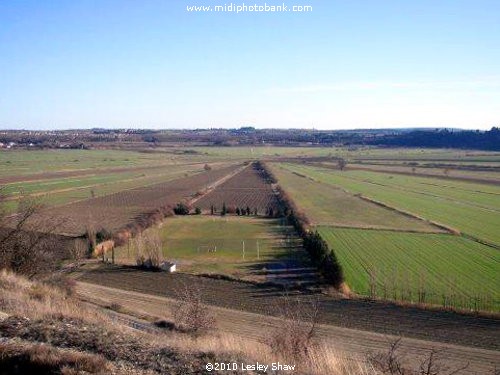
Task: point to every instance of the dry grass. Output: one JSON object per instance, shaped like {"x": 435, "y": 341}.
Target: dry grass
{"x": 37, "y": 300}
{"x": 28, "y": 358}
{"x": 76, "y": 334}
{"x": 322, "y": 360}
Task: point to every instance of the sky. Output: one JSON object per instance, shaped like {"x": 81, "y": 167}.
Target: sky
{"x": 154, "y": 64}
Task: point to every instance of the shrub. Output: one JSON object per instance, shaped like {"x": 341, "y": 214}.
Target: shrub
{"x": 191, "y": 315}
{"x": 181, "y": 209}
{"x": 296, "y": 335}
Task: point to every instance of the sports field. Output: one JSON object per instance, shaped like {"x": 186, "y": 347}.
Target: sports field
{"x": 244, "y": 247}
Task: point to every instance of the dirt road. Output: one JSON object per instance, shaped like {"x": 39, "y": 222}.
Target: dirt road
{"x": 253, "y": 326}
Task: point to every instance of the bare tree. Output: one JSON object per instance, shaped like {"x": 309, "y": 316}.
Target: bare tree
{"x": 148, "y": 248}
{"x": 207, "y": 169}
{"x": 153, "y": 248}
{"x": 391, "y": 363}
{"x": 341, "y": 163}
{"x": 296, "y": 336}
{"x": 27, "y": 240}
{"x": 190, "y": 314}
{"x": 79, "y": 250}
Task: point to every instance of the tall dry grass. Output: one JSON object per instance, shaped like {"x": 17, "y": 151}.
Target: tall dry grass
{"x": 37, "y": 300}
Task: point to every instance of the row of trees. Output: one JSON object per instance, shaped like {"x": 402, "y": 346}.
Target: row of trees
{"x": 324, "y": 258}
{"x": 228, "y": 210}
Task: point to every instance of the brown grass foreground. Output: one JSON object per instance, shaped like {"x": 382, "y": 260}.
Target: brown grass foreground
{"x": 48, "y": 331}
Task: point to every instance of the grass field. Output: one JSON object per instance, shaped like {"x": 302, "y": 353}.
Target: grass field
{"x": 492, "y": 175}
{"x": 431, "y": 268}
{"x": 329, "y": 205}
{"x": 468, "y": 207}
{"x": 238, "y": 246}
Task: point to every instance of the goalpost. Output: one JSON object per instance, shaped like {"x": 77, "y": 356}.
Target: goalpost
{"x": 210, "y": 248}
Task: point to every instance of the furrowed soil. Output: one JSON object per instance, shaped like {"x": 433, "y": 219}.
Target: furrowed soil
{"x": 116, "y": 210}
{"x": 256, "y": 327}
{"x": 385, "y": 318}
{"x": 246, "y": 189}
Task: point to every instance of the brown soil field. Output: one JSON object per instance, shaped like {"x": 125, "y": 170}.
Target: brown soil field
{"x": 350, "y": 342}
{"x": 114, "y": 211}
{"x": 374, "y": 316}
{"x": 247, "y": 188}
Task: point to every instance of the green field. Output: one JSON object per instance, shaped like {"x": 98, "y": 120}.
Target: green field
{"x": 473, "y": 209}
{"x": 329, "y": 205}
{"x": 449, "y": 269}
{"x": 382, "y": 251}
{"x": 60, "y": 177}
{"x": 238, "y": 246}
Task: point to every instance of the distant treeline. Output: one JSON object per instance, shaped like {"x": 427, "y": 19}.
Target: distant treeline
{"x": 150, "y": 139}
{"x": 443, "y": 138}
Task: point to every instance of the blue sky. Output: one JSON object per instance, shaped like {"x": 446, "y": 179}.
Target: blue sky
{"x": 346, "y": 64}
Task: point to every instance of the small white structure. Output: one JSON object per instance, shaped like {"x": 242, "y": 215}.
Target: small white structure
{"x": 168, "y": 266}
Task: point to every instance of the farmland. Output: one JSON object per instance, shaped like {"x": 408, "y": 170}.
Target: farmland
{"x": 248, "y": 248}
{"x": 61, "y": 177}
{"x": 381, "y": 227}
{"x": 470, "y": 208}
{"x": 115, "y": 210}
{"x": 382, "y": 219}
{"x": 330, "y": 205}
{"x": 246, "y": 189}
{"x": 427, "y": 268}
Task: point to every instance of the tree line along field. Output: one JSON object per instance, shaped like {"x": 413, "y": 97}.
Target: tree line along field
{"x": 387, "y": 254}
{"x": 246, "y": 247}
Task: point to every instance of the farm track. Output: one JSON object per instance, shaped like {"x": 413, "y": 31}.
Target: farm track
{"x": 352, "y": 342}
{"x": 385, "y": 318}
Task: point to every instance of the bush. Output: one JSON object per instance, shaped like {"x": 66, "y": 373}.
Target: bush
{"x": 181, "y": 209}
{"x": 296, "y": 334}
{"x": 191, "y": 315}
{"x": 197, "y": 211}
